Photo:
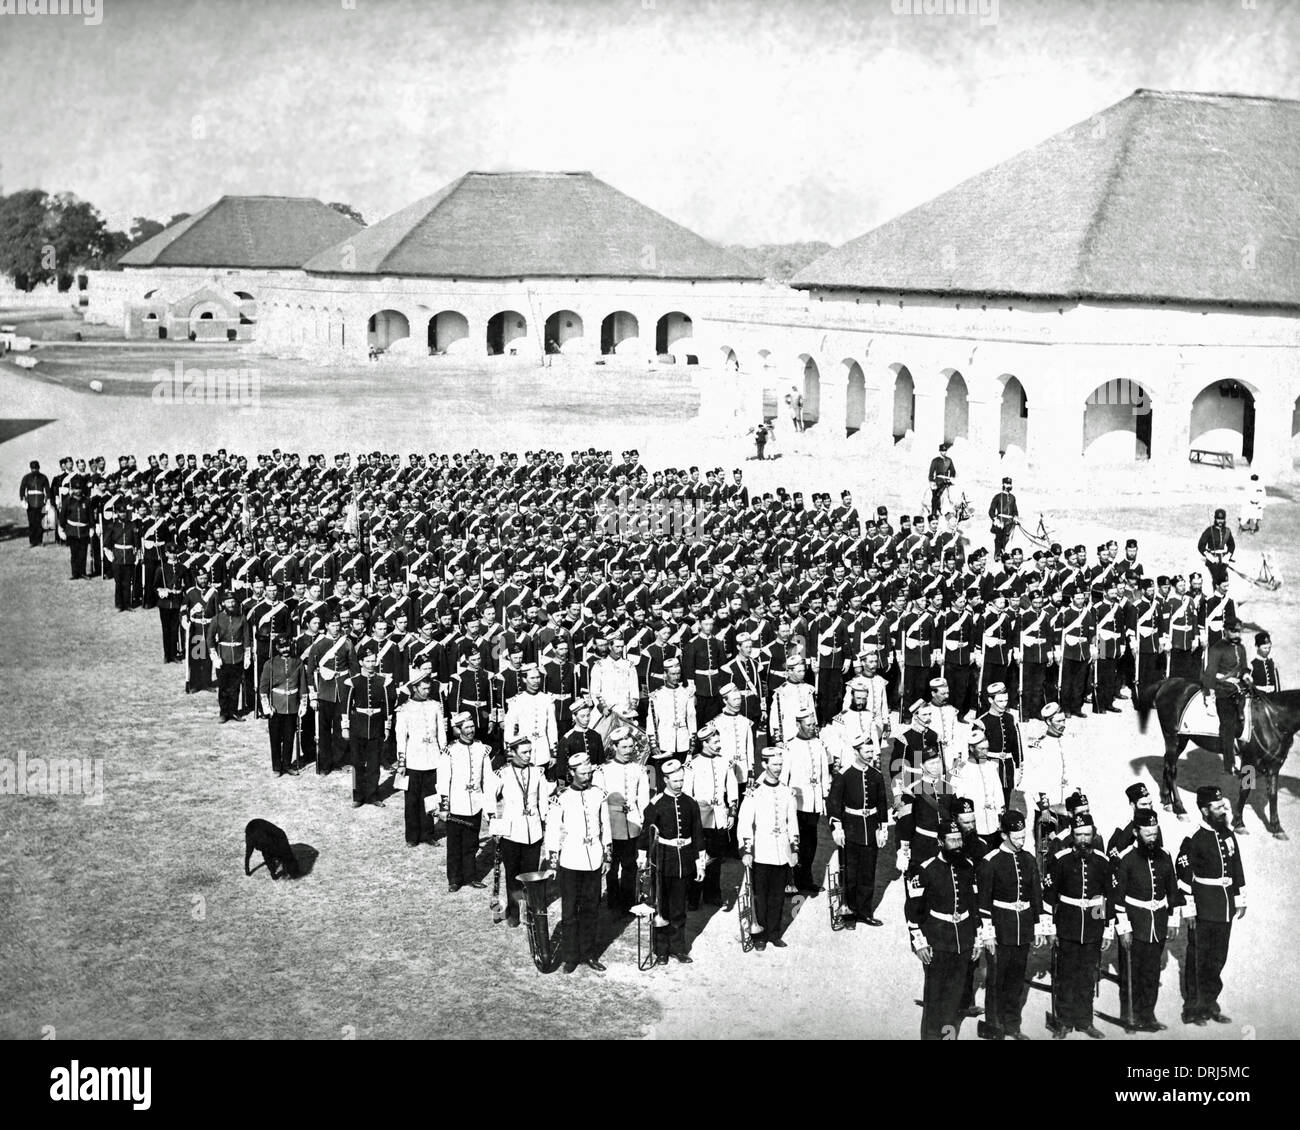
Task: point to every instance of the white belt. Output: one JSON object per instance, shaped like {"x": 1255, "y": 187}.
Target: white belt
{"x": 1017, "y": 906}
{"x": 953, "y": 918}
{"x": 706, "y": 671}
{"x": 927, "y": 832}
{"x": 1145, "y": 904}
{"x": 865, "y": 812}
{"x": 367, "y": 710}
{"x": 1223, "y": 881}
{"x": 1083, "y": 903}
{"x": 678, "y": 843}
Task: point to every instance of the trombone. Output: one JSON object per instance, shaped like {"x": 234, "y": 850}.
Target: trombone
{"x": 535, "y": 919}
{"x": 647, "y": 908}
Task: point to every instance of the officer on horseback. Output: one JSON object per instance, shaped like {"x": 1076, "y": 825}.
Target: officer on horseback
{"x": 1227, "y": 675}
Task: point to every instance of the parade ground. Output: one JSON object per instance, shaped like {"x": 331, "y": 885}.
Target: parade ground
{"x": 124, "y": 909}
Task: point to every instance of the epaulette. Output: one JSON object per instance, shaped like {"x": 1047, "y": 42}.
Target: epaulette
{"x": 1064, "y": 851}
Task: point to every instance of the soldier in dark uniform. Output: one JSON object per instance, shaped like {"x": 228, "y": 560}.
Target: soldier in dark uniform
{"x": 942, "y": 474}
{"x": 680, "y": 840}
{"x": 858, "y": 808}
{"x": 1263, "y": 669}
{"x": 1005, "y": 745}
{"x": 230, "y": 645}
{"x": 923, "y": 807}
{"x": 1227, "y": 675}
{"x": 77, "y": 517}
{"x": 34, "y": 491}
{"x": 1012, "y": 918}
{"x": 1147, "y": 627}
{"x": 1034, "y": 628}
{"x": 1217, "y": 546}
{"x": 1211, "y": 878}
{"x": 1075, "y": 887}
{"x": 1146, "y": 899}
{"x": 1078, "y": 630}
{"x": 283, "y": 690}
{"x": 170, "y": 590}
{"x": 1004, "y": 515}
{"x": 367, "y": 713}
{"x": 942, "y": 910}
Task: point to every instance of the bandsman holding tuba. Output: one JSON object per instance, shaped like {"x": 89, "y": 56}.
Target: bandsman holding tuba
{"x": 521, "y": 794}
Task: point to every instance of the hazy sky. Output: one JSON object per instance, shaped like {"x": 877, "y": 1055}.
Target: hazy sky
{"x": 747, "y": 120}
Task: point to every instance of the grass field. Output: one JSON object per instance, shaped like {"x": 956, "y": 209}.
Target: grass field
{"x": 134, "y": 919}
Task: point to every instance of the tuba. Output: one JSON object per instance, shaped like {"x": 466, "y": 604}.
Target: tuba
{"x": 535, "y": 919}
{"x": 647, "y": 909}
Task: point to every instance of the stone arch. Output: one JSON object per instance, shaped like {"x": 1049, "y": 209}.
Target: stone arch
{"x": 671, "y": 329}
{"x": 855, "y": 396}
{"x": 505, "y": 331}
{"x": 1013, "y": 421}
{"x": 904, "y": 400}
{"x": 562, "y": 327}
{"x": 616, "y": 329}
{"x": 446, "y": 330}
{"x": 728, "y": 360}
{"x": 1223, "y": 418}
{"x": 385, "y": 327}
{"x": 956, "y": 407}
{"x": 765, "y": 374}
{"x": 1117, "y": 422}
{"x": 811, "y": 387}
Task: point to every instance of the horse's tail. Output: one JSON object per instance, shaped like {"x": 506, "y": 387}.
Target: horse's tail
{"x": 1146, "y": 699}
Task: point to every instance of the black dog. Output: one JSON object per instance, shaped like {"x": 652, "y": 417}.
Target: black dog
{"x": 263, "y": 836}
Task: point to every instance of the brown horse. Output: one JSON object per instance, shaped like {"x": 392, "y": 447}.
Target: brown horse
{"x": 1274, "y": 721}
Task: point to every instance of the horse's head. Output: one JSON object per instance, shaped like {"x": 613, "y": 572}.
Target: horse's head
{"x": 1274, "y": 721}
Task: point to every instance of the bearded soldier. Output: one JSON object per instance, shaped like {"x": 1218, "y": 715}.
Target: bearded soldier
{"x": 807, "y": 773}
{"x": 671, "y": 715}
{"x": 712, "y": 779}
{"x": 1045, "y": 780}
{"x": 858, "y": 806}
{"x": 977, "y": 777}
{"x": 768, "y": 829}
{"x": 678, "y": 844}
{"x": 331, "y": 661}
{"x": 627, "y": 793}
{"x": 792, "y": 699}
{"x": 521, "y": 794}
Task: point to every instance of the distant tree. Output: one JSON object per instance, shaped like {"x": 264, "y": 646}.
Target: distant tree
{"x": 142, "y": 229}
{"x": 782, "y": 261}
{"x": 347, "y": 210}
{"x": 23, "y": 238}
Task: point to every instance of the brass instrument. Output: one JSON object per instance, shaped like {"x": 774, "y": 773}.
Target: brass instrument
{"x": 835, "y": 889}
{"x": 745, "y": 911}
{"x": 647, "y": 908}
{"x": 536, "y": 922}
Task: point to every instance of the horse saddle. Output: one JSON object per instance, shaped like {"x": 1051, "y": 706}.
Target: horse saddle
{"x": 1201, "y": 717}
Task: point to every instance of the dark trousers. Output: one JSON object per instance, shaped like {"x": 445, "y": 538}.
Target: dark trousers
{"x": 1202, "y": 979}
{"x": 916, "y": 685}
{"x": 803, "y": 876}
{"x": 620, "y": 883}
{"x": 707, "y": 708}
{"x": 1074, "y": 684}
{"x": 282, "y": 728}
{"x": 961, "y": 687}
{"x": 892, "y": 675}
{"x": 1034, "y": 678}
{"x": 829, "y": 695}
{"x": 716, "y": 844}
{"x": 365, "y": 769}
{"x": 462, "y": 842}
{"x": 945, "y": 980}
{"x": 308, "y": 731}
{"x": 517, "y": 859}
{"x": 250, "y": 682}
{"x": 1228, "y": 708}
{"x": 1140, "y": 964}
{"x": 122, "y": 586}
{"x": 1004, "y": 991}
{"x": 1076, "y": 967}
{"x": 170, "y": 619}
{"x": 35, "y": 533}
{"x": 419, "y": 785}
{"x": 860, "y": 876}
{"x": 96, "y": 556}
{"x": 1001, "y": 537}
{"x": 77, "y": 556}
{"x": 672, "y": 905}
{"x": 329, "y": 736}
{"x": 1107, "y": 683}
{"x": 580, "y": 909}
{"x": 199, "y": 661}
{"x": 770, "y": 881}
{"x": 1184, "y": 664}
{"x": 229, "y": 677}
{"x": 1150, "y": 668}
{"x": 149, "y": 582}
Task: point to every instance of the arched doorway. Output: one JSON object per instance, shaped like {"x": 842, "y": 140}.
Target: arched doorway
{"x": 855, "y": 398}
{"x": 771, "y": 395}
{"x": 728, "y": 359}
{"x": 445, "y": 329}
{"x": 1223, "y": 419}
{"x": 562, "y": 327}
{"x": 504, "y": 329}
{"x": 904, "y": 402}
{"x": 1117, "y": 422}
{"x": 812, "y": 391}
{"x": 670, "y": 329}
{"x": 616, "y": 328}
{"x": 956, "y": 408}
{"x": 1013, "y": 427}
{"x": 386, "y": 327}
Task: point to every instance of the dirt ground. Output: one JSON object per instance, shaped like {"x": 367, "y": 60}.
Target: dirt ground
{"x": 133, "y": 918}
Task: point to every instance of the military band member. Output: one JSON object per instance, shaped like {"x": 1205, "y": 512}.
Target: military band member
{"x": 521, "y": 795}
{"x": 472, "y": 692}
{"x": 977, "y": 777}
{"x": 578, "y": 845}
{"x": 858, "y": 806}
{"x": 463, "y": 775}
{"x": 921, "y": 806}
{"x": 1263, "y": 670}
{"x": 702, "y": 661}
{"x": 768, "y": 829}
{"x": 942, "y": 910}
{"x": 678, "y": 847}
{"x": 713, "y": 780}
{"x": 942, "y": 719}
{"x": 807, "y": 773}
{"x": 614, "y": 684}
{"x": 1012, "y": 918}
{"x": 672, "y": 715}
{"x": 367, "y": 708}
{"x": 230, "y": 645}
{"x": 170, "y": 592}
{"x": 626, "y": 787}
{"x": 330, "y": 661}
{"x": 1075, "y": 888}
{"x": 531, "y": 714}
{"x": 283, "y": 691}
{"x": 792, "y": 699}
{"x": 1005, "y": 745}
{"x": 1147, "y": 899}
{"x": 421, "y": 733}
{"x": 1213, "y": 884}
{"x": 580, "y": 739}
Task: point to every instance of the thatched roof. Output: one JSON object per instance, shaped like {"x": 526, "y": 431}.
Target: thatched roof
{"x": 254, "y": 232}
{"x": 1165, "y": 195}
{"x": 530, "y": 224}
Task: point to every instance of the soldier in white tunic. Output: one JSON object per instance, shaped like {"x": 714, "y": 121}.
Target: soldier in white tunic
{"x": 711, "y": 778}
{"x": 531, "y": 715}
{"x": 522, "y": 797}
{"x": 807, "y": 771}
{"x": 421, "y": 729}
{"x": 768, "y": 826}
{"x": 627, "y": 793}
